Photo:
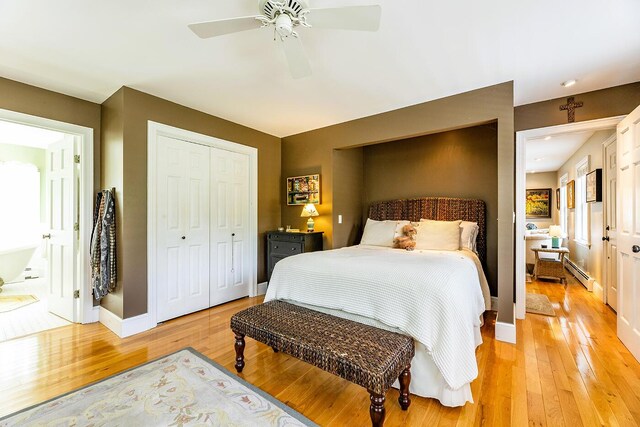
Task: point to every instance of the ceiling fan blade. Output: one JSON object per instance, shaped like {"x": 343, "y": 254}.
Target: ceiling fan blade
{"x": 204, "y": 30}
{"x": 361, "y": 18}
{"x": 296, "y": 57}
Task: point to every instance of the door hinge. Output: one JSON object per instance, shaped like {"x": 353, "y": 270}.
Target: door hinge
{"x": 76, "y": 158}
{"x": 76, "y": 294}
{"x": 76, "y": 226}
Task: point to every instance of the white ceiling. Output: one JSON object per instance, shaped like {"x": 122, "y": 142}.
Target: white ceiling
{"x": 424, "y": 50}
{"x": 30, "y": 136}
{"x": 548, "y": 155}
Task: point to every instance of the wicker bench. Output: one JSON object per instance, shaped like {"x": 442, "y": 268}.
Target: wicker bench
{"x": 370, "y": 357}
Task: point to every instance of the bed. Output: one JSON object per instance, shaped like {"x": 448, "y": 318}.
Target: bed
{"x": 436, "y": 297}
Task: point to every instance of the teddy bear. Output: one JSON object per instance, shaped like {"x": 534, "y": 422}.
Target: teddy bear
{"x": 407, "y": 240}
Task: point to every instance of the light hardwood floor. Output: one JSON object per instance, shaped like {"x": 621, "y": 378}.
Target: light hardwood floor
{"x": 568, "y": 370}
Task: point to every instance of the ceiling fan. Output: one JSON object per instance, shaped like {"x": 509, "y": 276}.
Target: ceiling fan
{"x": 285, "y": 16}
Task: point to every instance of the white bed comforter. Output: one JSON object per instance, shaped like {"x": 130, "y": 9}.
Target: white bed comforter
{"x": 435, "y": 297}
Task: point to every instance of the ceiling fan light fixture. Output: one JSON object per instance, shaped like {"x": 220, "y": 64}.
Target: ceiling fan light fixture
{"x": 284, "y": 25}
{"x": 568, "y": 83}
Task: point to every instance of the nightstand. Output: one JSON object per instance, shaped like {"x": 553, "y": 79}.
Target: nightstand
{"x": 281, "y": 244}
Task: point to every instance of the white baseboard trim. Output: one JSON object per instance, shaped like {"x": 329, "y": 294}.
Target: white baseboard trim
{"x": 95, "y": 315}
{"x": 578, "y": 273}
{"x": 494, "y": 303}
{"x": 506, "y": 331}
{"x": 262, "y": 288}
{"x": 598, "y": 290}
{"x": 125, "y": 327}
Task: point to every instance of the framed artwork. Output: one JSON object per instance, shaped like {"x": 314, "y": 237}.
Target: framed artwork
{"x": 557, "y": 198}
{"x": 594, "y": 186}
{"x": 303, "y": 189}
{"x": 538, "y": 203}
{"x": 571, "y": 194}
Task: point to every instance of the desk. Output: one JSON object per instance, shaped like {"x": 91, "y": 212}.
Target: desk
{"x": 550, "y": 268}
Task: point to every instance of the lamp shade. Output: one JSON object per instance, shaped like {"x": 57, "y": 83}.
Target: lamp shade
{"x": 555, "y": 231}
{"x": 309, "y": 210}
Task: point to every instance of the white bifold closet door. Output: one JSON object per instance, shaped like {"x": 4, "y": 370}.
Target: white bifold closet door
{"x": 203, "y": 247}
{"x": 230, "y": 269}
{"x": 183, "y": 228}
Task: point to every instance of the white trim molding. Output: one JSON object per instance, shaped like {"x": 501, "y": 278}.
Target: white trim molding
{"x": 521, "y": 142}
{"x": 125, "y": 327}
{"x": 83, "y": 136}
{"x": 262, "y": 288}
{"x": 505, "y": 332}
{"x": 154, "y": 130}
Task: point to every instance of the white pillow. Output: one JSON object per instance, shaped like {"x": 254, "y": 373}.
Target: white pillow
{"x": 379, "y": 233}
{"x": 438, "y": 235}
{"x": 469, "y": 234}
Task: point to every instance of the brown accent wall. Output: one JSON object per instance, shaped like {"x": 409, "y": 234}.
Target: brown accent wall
{"x": 598, "y": 104}
{"x": 460, "y": 163}
{"x": 137, "y": 108}
{"x": 314, "y": 152}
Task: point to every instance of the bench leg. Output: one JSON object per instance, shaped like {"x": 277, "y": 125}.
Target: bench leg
{"x": 376, "y": 410}
{"x": 239, "y": 346}
{"x": 405, "y": 379}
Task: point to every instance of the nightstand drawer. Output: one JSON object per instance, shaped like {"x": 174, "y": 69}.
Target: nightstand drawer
{"x": 285, "y": 248}
{"x": 287, "y": 237}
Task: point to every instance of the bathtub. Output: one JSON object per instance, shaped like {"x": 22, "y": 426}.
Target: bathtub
{"x": 13, "y": 262}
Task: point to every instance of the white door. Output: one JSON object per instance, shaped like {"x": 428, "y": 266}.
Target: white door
{"x": 230, "y": 237}
{"x": 182, "y": 228}
{"x": 62, "y": 215}
{"x": 628, "y": 214}
{"x": 611, "y": 229}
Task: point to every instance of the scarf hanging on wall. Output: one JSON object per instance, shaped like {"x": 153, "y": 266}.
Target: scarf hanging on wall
{"x": 103, "y": 245}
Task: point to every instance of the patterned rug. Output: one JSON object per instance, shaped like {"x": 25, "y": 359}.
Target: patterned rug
{"x": 12, "y": 302}
{"x": 181, "y": 389}
{"x": 539, "y": 304}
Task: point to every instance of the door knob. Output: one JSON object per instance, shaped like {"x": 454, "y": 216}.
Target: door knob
{"x": 605, "y": 238}
{"x": 184, "y": 237}
{"x": 635, "y": 249}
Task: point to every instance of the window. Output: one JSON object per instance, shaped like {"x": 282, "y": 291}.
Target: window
{"x": 564, "y": 179}
{"x": 582, "y": 211}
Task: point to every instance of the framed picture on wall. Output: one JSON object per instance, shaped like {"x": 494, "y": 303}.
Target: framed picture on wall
{"x": 303, "y": 189}
{"x": 538, "y": 203}
{"x": 594, "y": 186}
{"x": 571, "y": 194}
{"x": 557, "y": 198}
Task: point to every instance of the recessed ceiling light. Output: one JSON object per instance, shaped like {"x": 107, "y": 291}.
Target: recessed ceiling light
{"x": 533, "y": 172}
{"x": 568, "y": 83}
{"x": 548, "y": 137}
{"x": 538, "y": 159}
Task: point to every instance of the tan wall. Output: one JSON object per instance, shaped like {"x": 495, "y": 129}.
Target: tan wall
{"x": 465, "y": 159}
{"x": 588, "y": 258}
{"x": 544, "y": 180}
{"x": 112, "y": 154}
{"x": 137, "y": 109}
{"x": 611, "y": 102}
{"x": 313, "y": 152}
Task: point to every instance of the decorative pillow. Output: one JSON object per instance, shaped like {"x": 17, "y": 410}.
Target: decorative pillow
{"x": 469, "y": 235}
{"x": 379, "y": 233}
{"x": 439, "y": 235}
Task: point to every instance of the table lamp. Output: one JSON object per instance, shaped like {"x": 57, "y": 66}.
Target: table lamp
{"x": 555, "y": 231}
{"x": 309, "y": 211}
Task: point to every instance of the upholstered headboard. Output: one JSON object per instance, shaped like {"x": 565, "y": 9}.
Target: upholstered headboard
{"x": 438, "y": 208}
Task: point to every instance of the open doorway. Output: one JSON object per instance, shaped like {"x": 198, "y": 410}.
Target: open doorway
{"x": 559, "y": 230}
{"x": 46, "y": 192}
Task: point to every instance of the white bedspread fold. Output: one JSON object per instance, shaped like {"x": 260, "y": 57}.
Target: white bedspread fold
{"x": 435, "y": 297}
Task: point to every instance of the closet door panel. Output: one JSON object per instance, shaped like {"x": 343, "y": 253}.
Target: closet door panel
{"x": 229, "y": 233}
{"x": 182, "y": 228}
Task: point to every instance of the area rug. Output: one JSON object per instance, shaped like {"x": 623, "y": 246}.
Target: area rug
{"x": 12, "y": 302}
{"x": 181, "y": 389}
{"x": 539, "y": 304}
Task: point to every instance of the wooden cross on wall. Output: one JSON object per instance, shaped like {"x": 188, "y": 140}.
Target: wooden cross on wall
{"x": 571, "y": 106}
